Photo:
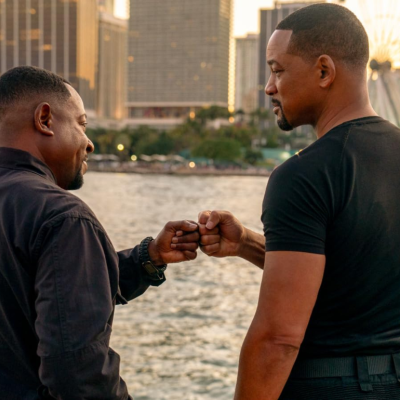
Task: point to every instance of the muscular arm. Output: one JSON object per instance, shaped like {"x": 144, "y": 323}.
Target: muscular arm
{"x": 252, "y": 248}
{"x": 289, "y": 289}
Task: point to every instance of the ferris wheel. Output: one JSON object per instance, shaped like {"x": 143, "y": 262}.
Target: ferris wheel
{"x": 381, "y": 19}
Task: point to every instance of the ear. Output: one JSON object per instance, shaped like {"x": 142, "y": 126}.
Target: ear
{"x": 44, "y": 119}
{"x": 326, "y": 70}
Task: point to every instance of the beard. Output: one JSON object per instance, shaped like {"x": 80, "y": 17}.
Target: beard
{"x": 77, "y": 182}
{"x": 282, "y": 122}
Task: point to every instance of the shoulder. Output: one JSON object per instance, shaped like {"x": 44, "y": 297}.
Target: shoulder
{"x": 43, "y": 200}
{"x": 317, "y": 161}
{"x": 310, "y": 179}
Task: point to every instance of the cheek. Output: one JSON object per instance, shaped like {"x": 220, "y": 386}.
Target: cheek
{"x": 294, "y": 96}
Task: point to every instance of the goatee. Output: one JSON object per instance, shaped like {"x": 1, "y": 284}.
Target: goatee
{"x": 77, "y": 182}
{"x": 283, "y": 123}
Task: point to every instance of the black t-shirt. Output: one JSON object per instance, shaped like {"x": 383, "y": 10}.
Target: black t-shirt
{"x": 341, "y": 197}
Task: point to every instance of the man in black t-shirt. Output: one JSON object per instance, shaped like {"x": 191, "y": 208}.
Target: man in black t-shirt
{"x": 327, "y": 324}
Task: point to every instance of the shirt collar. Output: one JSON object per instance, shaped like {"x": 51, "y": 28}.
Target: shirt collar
{"x": 24, "y": 161}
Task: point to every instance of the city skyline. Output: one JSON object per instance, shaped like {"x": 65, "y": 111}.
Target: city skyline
{"x": 33, "y": 36}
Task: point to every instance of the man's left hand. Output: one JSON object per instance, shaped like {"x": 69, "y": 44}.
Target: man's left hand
{"x": 163, "y": 251}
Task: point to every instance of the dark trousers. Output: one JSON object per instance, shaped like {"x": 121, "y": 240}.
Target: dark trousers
{"x": 384, "y": 387}
{"x": 346, "y": 378}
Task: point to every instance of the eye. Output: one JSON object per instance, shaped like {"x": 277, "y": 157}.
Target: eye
{"x": 83, "y": 124}
{"x": 277, "y": 71}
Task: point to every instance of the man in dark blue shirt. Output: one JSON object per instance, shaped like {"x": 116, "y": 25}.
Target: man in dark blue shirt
{"x": 60, "y": 277}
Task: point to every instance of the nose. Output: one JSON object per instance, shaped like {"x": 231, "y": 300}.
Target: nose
{"x": 270, "y": 88}
{"x": 90, "y": 146}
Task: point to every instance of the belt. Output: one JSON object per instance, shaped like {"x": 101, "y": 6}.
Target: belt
{"x": 359, "y": 366}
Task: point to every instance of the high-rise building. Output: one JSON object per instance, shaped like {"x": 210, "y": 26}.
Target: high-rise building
{"x": 106, "y": 6}
{"x": 58, "y": 35}
{"x": 269, "y": 19}
{"x": 112, "y": 66}
{"x": 246, "y": 77}
{"x": 178, "y": 58}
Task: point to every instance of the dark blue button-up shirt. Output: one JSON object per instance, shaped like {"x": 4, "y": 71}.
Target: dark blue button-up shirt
{"x": 60, "y": 279}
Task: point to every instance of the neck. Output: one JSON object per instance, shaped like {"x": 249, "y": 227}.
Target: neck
{"x": 338, "y": 110}
{"x": 21, "y": 142}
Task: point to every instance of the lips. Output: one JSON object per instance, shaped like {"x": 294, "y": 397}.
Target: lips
{"x": 277, "y": 106}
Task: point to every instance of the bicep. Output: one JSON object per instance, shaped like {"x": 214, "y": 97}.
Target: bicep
{"x": 297, "y": 208}
{"x": 289, "y": 290}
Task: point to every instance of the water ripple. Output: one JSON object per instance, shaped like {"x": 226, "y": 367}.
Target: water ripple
{"x": 180, "y": 341}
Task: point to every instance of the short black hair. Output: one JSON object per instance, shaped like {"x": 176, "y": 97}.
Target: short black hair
{"x": 21, "y": 83}
{"x": 327, "y": 29}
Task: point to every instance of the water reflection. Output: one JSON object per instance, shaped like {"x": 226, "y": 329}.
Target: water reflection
{"x": 180, "y": 341}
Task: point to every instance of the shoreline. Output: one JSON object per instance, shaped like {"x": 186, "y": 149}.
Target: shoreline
{"x": 182, "y": 171}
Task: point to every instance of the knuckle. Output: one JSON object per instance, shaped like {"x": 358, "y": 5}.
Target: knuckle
{"x": 169, "y": 224}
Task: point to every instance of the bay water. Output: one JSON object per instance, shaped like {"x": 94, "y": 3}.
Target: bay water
{"x": 180, "y": 341}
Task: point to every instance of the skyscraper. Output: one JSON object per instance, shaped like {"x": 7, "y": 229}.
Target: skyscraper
{"x": 112, "y": 66}
{"x": 178, "y": 58}
{"x": 58, "y": 35}
{"x": 246, "y": 93}
{"x": 106, "y": 6}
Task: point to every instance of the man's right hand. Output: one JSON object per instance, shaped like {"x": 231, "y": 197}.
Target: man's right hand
{"x": 221, "y": 234}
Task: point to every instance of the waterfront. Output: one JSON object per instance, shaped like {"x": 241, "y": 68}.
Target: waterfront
{"x": 180, "y": 341}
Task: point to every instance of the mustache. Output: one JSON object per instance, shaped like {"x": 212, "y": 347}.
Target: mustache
{"x": 276, "y": 103}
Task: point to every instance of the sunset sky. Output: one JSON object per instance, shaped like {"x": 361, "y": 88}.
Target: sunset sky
{"x": 246, "y": 15}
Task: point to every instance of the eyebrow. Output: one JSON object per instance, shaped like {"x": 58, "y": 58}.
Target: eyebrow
{"x": 270, "y": 62}
{"x": 83, "y": 115}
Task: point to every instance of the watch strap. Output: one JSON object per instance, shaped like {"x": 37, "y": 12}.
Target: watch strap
{"x": 154, "y": 272}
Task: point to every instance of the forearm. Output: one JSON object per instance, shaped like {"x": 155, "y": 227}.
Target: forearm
{"x": 132, "y": 280}
{"x": 252, "y": 248}
{"x": 264, "y": 368}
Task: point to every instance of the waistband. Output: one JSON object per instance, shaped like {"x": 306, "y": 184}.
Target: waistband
{"x": 359, "y": 366}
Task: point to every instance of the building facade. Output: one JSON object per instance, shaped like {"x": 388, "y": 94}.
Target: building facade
{"x": 58, "y": 35}
{"x": 112, "y": 68}
{"x": 178, "y": 59}
{"x": 246, "y": 73}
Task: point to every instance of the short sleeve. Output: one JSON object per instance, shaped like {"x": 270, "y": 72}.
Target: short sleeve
{"x": 296, "y": 208}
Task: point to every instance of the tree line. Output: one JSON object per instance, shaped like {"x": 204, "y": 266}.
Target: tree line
{"x": 240, "y": 141}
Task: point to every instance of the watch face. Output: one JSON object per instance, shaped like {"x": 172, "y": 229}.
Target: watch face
{"x": 150, "y": 268}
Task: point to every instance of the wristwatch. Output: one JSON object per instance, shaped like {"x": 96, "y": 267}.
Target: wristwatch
{"x": 154, "y": 272}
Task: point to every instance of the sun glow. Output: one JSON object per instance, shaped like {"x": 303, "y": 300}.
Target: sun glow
{"x": 121, "y": 9}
